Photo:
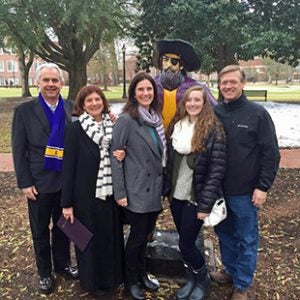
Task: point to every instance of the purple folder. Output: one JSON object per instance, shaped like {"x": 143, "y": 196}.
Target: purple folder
{"x": 76, "y": 232}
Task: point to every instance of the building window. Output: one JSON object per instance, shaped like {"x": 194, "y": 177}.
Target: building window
{"x": 2, "y": 82}
{"x": 1, "y": 66}
{"x": 12, "y": 66}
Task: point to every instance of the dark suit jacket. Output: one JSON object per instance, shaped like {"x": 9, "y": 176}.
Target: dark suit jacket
{"x": 30, "y": 133}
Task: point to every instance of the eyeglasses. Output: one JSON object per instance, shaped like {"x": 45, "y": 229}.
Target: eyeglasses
{"x": 173, "y": 61}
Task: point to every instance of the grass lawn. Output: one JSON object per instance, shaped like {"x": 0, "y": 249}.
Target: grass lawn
{"x": 281, "y": 92}
{"x": 114, "y": 93}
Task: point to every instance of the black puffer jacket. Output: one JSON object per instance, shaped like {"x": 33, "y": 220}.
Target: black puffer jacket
{"x": 209, "y": 169}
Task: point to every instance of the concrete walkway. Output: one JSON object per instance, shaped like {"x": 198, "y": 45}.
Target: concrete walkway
{"x": 290, "y": 158}
{"x": 6, "y": 164}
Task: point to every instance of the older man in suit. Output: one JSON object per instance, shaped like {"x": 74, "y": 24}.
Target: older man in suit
{"x": 37, "y": 144}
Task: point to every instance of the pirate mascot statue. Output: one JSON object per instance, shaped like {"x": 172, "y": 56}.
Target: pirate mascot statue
{"x": 175, "y": 58}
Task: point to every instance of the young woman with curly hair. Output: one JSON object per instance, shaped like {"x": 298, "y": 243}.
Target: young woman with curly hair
{"x": 195, "y": 169}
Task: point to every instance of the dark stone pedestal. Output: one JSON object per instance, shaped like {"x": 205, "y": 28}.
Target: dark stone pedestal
{"x": 163, "y": 256}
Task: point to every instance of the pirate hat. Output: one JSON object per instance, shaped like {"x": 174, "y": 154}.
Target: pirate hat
{"x": 188, "y": 56}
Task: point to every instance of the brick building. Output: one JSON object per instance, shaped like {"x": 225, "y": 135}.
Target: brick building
{"x": 10, "y": 74}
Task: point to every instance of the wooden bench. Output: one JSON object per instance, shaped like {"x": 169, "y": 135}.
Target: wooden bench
{"x": 256, "y": 94}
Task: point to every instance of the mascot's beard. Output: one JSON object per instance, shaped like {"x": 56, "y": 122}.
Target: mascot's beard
{"x": 170, "y": 80}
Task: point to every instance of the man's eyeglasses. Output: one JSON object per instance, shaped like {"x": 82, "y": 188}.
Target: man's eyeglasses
{"x": 173, "y": 61}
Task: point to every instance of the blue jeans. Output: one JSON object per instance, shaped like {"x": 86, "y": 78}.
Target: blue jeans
{"x": 238, "y": 238}
{"x": 188, "y": 226}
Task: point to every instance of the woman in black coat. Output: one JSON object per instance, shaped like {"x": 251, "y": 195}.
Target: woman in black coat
{"x": 195, "y": 169}
{"x": 87, "y": 192}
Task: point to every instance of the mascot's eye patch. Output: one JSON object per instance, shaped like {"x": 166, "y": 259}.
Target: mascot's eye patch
{"x": 173, "y": 61}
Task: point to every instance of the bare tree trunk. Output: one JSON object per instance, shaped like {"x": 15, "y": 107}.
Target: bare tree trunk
{"x": 77, "y": 78}
{"x": 104, "y": 68}
{"x": 225, "y": 56}
{"x": 114, "y": 64}
{"x": 25, "y": 68}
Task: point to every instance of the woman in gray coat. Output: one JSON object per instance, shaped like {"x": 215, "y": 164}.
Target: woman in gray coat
{"x": 137, "y": 180}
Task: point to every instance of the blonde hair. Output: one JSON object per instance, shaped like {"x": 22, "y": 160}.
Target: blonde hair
{"x": 232, "y": 68}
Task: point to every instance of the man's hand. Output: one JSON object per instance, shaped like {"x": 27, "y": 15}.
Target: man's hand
{"x": 259, "y": 197}
{"x": 30, "y": 192}
{"x": 68, "y": 214}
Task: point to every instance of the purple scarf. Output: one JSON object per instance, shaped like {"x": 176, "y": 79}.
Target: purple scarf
{"x": 55, "y": 147}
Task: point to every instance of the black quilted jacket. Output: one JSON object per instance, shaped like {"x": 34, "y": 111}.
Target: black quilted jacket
{"x": 209, "y": 169}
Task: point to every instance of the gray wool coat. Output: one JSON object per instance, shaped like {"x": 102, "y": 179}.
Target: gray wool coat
{"x": 139, "y": 177}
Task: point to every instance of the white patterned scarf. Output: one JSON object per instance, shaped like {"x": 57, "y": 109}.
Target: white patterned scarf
{"x": 153, "y": 119}
{"x": 182, "y": 136}
{"x": 100, "y": 134}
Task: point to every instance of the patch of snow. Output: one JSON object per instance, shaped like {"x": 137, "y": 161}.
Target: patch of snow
{"x": 286, "y": 118}
{"x": 116, "y": 108}
{"x": 287, "y": 122}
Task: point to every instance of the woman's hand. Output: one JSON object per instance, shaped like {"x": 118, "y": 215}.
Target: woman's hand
{"x": 112, "y": 116}
{"x": 122, "y": 202}
{"x": 68, "y": 214}
{"x": 119, "y": 154}
{"x": 201, "y": 215}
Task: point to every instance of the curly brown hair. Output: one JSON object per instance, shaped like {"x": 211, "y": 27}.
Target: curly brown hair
{"x": 205, "y": 123}
{"x": 83, "y": 93}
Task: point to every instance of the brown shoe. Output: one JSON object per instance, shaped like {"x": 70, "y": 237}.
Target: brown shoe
{"x": 220, "y": 277}
{"x": 238, "y": 294}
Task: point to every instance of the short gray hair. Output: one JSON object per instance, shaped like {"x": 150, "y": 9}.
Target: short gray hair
{"x": 43, "y": 66}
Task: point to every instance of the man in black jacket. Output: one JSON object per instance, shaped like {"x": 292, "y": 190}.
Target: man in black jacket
{"x": 252, "y": 163}
{"x": 37, "y": 144}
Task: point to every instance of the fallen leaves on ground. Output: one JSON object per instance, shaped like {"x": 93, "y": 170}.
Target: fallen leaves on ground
{"x": 278, "y": 271}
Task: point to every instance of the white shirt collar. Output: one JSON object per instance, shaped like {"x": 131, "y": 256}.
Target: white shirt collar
{"x": 52, "y": 106}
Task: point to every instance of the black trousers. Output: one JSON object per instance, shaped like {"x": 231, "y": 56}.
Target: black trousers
{"x": 188, "y": 227}
{"x": 41, "y": 211}
{"x": 141, "y": 228}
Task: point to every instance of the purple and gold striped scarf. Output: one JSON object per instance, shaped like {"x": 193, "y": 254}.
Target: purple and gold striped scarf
{"x": 55, "y": 147}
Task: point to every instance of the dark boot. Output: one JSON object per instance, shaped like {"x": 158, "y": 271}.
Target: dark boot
{"x": 135, "y": 291}
{"x": 202, "y": 280}
{"x": 148, "y": 283}
{"x": 184, "y": 292}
